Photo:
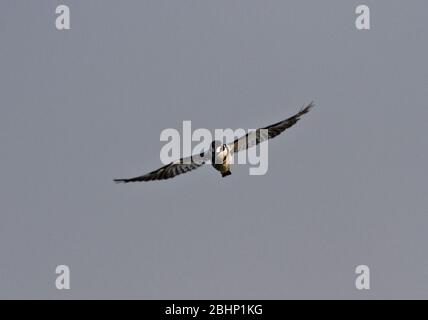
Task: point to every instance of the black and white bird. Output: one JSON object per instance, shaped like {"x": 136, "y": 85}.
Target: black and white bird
{"x": 220, "y": 154}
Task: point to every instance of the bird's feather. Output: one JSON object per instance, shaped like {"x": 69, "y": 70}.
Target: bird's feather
{"x": 262, "y": 134}
{"x": 170, "y": 170}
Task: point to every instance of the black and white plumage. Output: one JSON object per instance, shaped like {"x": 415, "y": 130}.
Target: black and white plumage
{"x": 171, "y": 170}
{"x": 220, "y": 154}
{"x": 262, "y": 134}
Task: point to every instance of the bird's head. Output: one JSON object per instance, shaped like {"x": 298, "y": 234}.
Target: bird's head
{"x": 217, "y": 146}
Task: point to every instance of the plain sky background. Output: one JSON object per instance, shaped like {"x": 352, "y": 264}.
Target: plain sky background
{"x": 346, "y": 186}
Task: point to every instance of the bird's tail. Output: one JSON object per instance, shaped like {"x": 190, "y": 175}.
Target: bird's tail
{"x": 226, "y": 173}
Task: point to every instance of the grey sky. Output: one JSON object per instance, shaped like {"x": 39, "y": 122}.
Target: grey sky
{"x": 346, "y": 186}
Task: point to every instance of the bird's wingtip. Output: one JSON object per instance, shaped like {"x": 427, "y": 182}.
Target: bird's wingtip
{"x": 307, "y": 108}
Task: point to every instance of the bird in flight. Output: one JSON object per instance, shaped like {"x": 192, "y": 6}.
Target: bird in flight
{"x": 220, "y": 154}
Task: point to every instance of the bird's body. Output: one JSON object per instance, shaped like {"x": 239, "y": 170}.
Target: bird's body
{"x": 221, "y": 159}
{"x": 220, "y": 154}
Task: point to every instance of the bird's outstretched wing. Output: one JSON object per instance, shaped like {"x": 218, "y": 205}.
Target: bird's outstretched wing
{"x": 170, "y": 170}
{"x": 262, "y": 134}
